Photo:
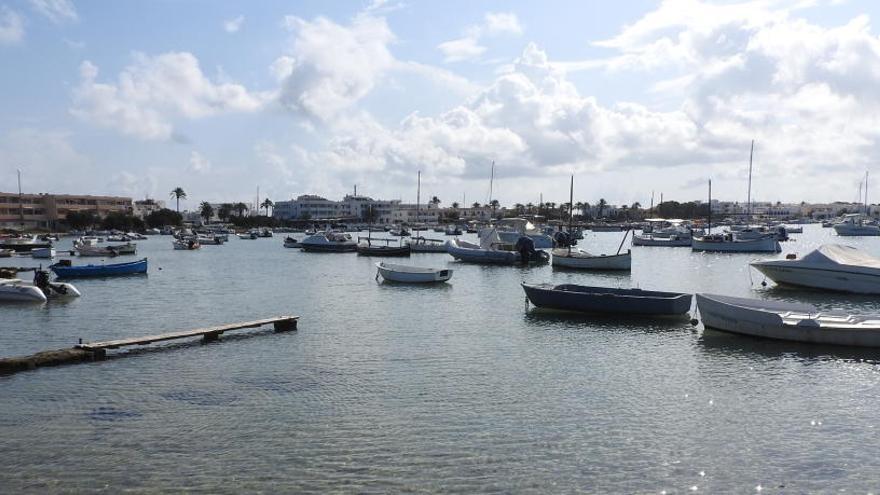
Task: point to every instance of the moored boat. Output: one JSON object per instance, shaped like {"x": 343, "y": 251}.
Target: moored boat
{"x": 372, "y": 247}
{"x": 186, "y": 244}
{"x": 40, "y": 290}
{"x": 831, "y": 267}
{"x": 606, "y": 300}
{"x": 423, "y": 245}
{"x": 412, "y": 274}
{"x": 48, "y": 252}
{"x": 329, "y": 242}
{"x": 730, "y": 243}
{"x": 579, "y": 259}
{"x": 65, "y": 269}
{"x": 787, "y": 321}
{"x": 290, "y": 242}
{"x": 19, "y": 244}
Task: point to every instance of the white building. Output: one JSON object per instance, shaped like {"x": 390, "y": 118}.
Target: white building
{"x": 143, "y": 207}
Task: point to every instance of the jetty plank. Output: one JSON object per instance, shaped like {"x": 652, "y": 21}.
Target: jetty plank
{"x": 282, "y": 323}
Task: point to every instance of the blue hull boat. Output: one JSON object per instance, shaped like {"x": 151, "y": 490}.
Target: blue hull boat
{"x": 605, "y": 300}
{"x": 63, "y": 270}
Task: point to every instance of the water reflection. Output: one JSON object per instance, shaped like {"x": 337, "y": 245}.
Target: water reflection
{"x": 724, "y": 343}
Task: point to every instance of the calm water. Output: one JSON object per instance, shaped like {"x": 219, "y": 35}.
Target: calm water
{"x": 453, "y": 388}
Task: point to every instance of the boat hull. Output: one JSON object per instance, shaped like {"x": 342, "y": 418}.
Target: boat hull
{"x": 640, "y": 240}
{"x": 603, "y": 300}
{"x": 477, "y": 255}
{"x": 721, "y": 314}
{"x": 21, "y": 293}
{"x": 846, "y": 230}
{"x": 762, "y": 245}
{"x": 619, "y": 262}
{"x": 412, "y": 275}
{"x": 819, "y": 278}
{"x": 395, "y": 251}
{"x": 20, "y": 247}
{"x": 328, "y": 248}
{"x": 134, "y": 267}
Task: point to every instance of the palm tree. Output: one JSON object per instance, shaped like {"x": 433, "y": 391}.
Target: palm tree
{"x": 224, "y": 211}
{"x": 454, "y": 206}
{"x": 579, "y": 206}
{"x": 178, "y": 193}
{"x": 549, "y": 207}
{"x": 240, "y": 208}
{"x": 435, "y": 200}
{"x": 476, "y": 205}
{"x": 520, "y": 208}
{"x": 207, "y": 211}
{"x": 267, "y": 204}
{"x": 530, "y": 207}
{"x": 494, "y": 204}
{"x": 601, "y": 206}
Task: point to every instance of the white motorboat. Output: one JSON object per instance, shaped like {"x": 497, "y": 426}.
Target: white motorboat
{"x": 509, "y": 230}
{"x": 856, "y": 225}
{"x": 329, "y": 242}
{"x": 6, "y": 253}
{"x": 664, "y": 232}
{"x": 453, "y": 230}
{"x": 576, "y": 258}
{"x": 787, "y": 321}
{"x": 831, "y": 266}
{"x": 730, "y": 243}
{"x": 48, "y": 252}
{"x": 423, "y": 245}
{"x": 412, "y": 274}
{"x": 17, "y": 290}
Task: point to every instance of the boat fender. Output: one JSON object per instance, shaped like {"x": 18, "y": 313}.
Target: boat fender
{"x": 694, "y": 321}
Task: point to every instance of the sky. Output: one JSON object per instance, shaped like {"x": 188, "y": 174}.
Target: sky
{"x": 631, "y": 98}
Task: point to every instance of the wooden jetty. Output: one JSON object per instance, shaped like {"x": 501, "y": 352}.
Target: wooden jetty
{"x": 94, "y": 351}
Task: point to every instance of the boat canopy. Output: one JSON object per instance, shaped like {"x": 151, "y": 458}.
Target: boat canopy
{"x": 520, "y": 225}
{"x": 660, "y": 220}
{"x": 838, "y": 254}
{"x": 489, "y": 238}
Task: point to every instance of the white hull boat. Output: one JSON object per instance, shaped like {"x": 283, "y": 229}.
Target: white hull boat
{"x": 329, "y": 242}
{"x": 831, "y": 267}
{"x": 665, "y": 241}
{"x": 17, "y": 290}
{"x": 43, "y": 253}
{"x": 856, "y": 230}
{"x": 729, "y": 243}
{"x": 465, "y": 251}
{"x": 412, "y": 274}
{"x": 575, "y": 258}
{"x": 186, "y": 245}
{"x": 787, "y": 321}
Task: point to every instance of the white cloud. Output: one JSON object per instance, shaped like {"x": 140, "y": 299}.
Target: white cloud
{"x": 57, "y": 11}
{"x": 233, "y": 25}
{"x": 198, "y": 163}
{"x": 331, "y": 66}
{"x": 502, "y": 22}
{"x": 150, "y": 93}
{"x": 468, "y": 47}
{"x": 11, "y": 26}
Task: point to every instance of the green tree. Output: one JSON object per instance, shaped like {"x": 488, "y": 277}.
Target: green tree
{"x": 476, "y": 205}
{"x": 117, "y": 220}
{"x": 267, "y": 204}
{"x": 240, "y": 208}
{"x": 177, "y": 193}
{"x": 206, "y": 211}
{"x": 80, "y": 220}
{"x": 435, "y": 201}
{"x": 164, "y": 217}
{"x": 455, "y": 206}
{"x": 224, "y": 212}
{"x": 494, "y": 204}
{"x": 601, "y": 207}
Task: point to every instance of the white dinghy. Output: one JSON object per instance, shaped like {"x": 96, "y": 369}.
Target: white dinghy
{"x": 787, "y": 321}
{"x": 576, "y": 258}
{"x": 412, "y": 274}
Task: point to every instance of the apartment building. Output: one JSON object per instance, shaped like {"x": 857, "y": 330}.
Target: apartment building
{"x": 49, "y": 211}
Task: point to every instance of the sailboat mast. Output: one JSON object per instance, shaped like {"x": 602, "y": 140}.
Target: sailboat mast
{"x": 491, "y": 181}
{"x": 749, "y": 198}
{"x": 570, "y": 211}
{"x": 866, "y": 193}
{"x": 418, "y": 201}
{"x": 709, "y": 230}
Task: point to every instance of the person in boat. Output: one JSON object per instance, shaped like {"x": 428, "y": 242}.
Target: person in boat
{"x": 526, "y": 248}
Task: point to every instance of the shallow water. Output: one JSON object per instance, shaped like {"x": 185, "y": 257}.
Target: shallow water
{"x": 457, "y": 387}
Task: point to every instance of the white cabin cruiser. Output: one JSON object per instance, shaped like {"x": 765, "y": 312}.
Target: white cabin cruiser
{"x": 511, "y": 229}
{"x": 831, "y": 266}
{"x": 329, "y": 242}
{"x": 856, "y": 225}
{"x": 731, "y": 243}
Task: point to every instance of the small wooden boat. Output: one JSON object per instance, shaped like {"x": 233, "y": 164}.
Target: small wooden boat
{"x": 422, "y": 245}
{"x": 368, "y": 247}
{"x": 787, "y": 321}
{"x": 412, "y": 274}
{"x": 606, "y": 300}
{"x": 582, "y": 260}
{"x": 65, "y": 269}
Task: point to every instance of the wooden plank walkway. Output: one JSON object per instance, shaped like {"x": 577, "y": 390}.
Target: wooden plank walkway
{"x": 281, "y": 323}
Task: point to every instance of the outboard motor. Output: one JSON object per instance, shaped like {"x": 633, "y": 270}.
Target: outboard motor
{"x": 526, "y": 248}
{"x": 41, "y": 281}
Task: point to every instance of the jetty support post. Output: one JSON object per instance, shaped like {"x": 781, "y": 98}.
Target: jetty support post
{"x": 285, "y": 325}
